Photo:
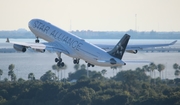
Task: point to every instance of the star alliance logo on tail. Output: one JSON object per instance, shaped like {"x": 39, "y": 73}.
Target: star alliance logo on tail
{"x": 119, "y": 48}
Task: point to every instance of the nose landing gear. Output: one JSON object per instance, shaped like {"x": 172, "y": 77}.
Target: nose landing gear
{"x": 37, "y": 40}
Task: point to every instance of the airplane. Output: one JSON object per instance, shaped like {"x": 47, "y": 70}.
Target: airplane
{"x": 61, "y": 41}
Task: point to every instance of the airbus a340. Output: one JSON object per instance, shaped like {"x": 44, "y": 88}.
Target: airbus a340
{"x": 61, "y": 41}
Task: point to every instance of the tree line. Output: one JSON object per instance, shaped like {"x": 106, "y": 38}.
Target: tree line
{"x": 127, "y": 87}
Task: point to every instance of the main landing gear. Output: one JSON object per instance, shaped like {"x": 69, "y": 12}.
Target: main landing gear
{"x": 59, "y": 60}
{"x": 37, "y": 40}
{"x": 76, "y": 61}
{"x": 89, "y": 65}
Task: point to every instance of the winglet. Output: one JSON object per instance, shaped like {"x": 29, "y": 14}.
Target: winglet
{"x": 7, "y": 40}
{"x": 172, "y": 43}
{"x": 119, "y": 49}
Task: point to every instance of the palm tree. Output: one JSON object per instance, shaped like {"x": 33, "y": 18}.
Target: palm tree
{"x": 113, "y": 67}
{"x": 103, "y": 72}
{"x": 13, "y": 77}
{"x": 31, "y": 76}
{"x": 11, "y": 67}
{"x": 55, "y": 67}
{"x": 1, "y": 72}
{"x": 146, "y": 68}
{"x": 83, "y": 67}
{"x": 58, "y": 68}
{"x": 175, "y": 66}
{"x": 177, "y": 73}
{"x": 119, "y": 67}
{"x": 153, "y": 67}
{"x": 11, "y": 72}
{"x": 160, "y": 68}
{"x": 64, "y": 68}
{"x": 76, "y": 66}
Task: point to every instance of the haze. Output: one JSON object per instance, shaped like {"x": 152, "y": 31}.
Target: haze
{"x": 97, "y": 15}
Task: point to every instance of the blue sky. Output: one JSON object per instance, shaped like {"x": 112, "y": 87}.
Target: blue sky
{"x": 97, "y": 15}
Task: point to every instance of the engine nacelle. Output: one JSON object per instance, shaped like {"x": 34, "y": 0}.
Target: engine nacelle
{"x": 40, "y": 50}
{"x": 19, "y": 48}
{"x": 132, "y": 51}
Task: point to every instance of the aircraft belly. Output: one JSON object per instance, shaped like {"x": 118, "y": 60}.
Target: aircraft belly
{"x": 92, "y": 56}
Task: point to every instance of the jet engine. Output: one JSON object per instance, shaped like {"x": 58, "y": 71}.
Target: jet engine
{"x": 132, "y": 51}
{"x": 19, "y": 48}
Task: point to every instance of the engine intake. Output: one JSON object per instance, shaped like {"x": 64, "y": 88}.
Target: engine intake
{"x": 19, "y": 48}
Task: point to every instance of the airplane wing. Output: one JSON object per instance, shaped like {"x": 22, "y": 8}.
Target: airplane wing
{"x": 51, "y": 46}
{"x": 134, "y": 48}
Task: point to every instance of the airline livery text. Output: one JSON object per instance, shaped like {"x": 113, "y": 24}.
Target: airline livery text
{"x": 58, "y": 35}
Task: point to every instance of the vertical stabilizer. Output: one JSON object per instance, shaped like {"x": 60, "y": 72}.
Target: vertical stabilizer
{"x": 120, "y": 48}
{"x": 7, "y": 40}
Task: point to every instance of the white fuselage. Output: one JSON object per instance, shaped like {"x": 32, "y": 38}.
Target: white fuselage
{"x": 76, "y": 46}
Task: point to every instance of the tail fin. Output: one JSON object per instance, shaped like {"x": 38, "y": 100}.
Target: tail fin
{"x": 119, "y": 49}
{"x": 7, "y": 40}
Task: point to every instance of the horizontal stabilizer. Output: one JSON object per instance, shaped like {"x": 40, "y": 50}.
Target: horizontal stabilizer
{"x": 137, "y": 61}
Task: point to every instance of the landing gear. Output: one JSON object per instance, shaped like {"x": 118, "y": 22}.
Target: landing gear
{"x": 59, "y": 60}
{"x": 76, "y": 61}
{"x": 37, "y": 40}
{"x": 60, "y": 64}
{"x": 89, "y": 65}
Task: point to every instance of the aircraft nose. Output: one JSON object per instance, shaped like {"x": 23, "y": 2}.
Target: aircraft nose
{"x": 30, "y": 24}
